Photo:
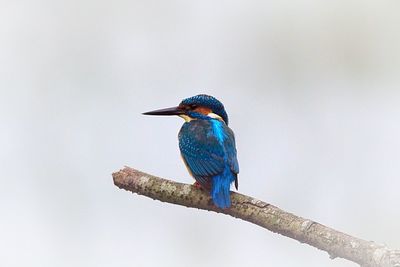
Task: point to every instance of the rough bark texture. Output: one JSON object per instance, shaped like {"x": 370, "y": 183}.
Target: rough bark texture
{"x": 337, "y": 244}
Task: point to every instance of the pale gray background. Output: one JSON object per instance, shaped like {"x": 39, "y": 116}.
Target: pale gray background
{"x": 311, "y": 87}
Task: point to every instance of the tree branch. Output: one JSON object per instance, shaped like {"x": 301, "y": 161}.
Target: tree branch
{"x": 337, "y": 244}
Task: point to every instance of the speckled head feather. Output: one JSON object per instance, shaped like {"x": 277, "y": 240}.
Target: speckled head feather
{"x": 209, "y": 102}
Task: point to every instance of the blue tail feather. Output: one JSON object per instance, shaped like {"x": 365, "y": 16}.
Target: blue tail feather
{"x": 220, "y": 192}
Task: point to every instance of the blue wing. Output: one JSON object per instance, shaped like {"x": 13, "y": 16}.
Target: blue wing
{"x": 203, "y": 152}
{"x": 230, "y": 148}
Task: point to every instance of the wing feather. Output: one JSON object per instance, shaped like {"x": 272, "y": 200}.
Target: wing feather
{"x": 203, "y": 154}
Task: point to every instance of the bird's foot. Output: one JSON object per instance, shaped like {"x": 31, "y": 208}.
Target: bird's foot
{"x": 197, "y": 185}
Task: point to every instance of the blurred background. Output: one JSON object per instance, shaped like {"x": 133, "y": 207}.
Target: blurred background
{"x": 311, "y": 87}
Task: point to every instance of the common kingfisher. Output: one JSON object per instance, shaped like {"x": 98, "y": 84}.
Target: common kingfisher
{"x": 207, "y": 145}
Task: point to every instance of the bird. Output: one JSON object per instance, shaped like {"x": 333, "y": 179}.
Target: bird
{"x": 207, "y": 145}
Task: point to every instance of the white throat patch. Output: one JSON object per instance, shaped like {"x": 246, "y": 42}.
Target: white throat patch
{"x": 186, "y": 117}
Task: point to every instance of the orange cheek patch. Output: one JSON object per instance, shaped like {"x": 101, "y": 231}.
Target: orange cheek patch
{"x": 203, "y": 110}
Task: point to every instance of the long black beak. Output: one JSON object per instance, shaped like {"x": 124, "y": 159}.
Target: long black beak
{"x": 166, "y": 111}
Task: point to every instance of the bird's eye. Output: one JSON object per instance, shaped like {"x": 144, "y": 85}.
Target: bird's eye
{"x": 193, "y": 106}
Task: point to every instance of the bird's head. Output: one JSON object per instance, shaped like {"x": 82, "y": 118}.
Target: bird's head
{"x": 196, "y": 107}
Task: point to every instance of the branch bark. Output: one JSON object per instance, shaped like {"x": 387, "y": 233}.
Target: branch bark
{"x": 335, "y": 243}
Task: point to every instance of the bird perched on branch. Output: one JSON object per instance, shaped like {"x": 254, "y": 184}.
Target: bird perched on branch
{"x": 207, "y": 145}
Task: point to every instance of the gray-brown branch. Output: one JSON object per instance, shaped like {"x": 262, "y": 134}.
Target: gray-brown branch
{"x": 337, "y": 244}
